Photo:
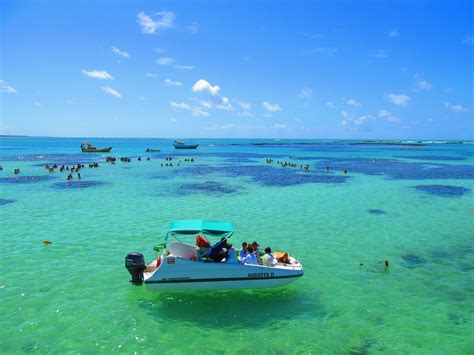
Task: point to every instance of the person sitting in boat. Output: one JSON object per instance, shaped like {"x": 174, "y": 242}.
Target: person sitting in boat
{"x": 256, "y": 250}
{"x": 243, "y": 252}
{"x": 215, "y": 251}
{"x": 250, "y": 259}
{"x": 230, "y": 254}
{"x": 269, "y": 259}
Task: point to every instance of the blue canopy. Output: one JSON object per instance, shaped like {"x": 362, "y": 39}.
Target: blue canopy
{"x": 200, "y": 226}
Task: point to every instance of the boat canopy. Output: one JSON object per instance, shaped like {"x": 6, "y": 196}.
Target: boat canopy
{"x": 200, "y": 226}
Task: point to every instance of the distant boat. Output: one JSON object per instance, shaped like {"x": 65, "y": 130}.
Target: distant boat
{"x": 87, "y": 147}
{"x": 182, "y": 145}
{"x": 151, "y": 150}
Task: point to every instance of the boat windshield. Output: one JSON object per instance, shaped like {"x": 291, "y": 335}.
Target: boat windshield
{"x": 199, "y": 226}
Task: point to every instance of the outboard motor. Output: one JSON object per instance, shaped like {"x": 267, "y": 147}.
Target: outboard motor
{"x": 135, "y": 264}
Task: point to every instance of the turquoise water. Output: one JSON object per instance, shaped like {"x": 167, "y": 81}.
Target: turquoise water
{"x": 412, "y": 206}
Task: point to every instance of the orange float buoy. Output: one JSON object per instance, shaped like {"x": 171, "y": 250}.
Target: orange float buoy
{"x": 46, "y": 241}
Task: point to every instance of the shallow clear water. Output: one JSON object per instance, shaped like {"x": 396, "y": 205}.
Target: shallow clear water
{"x": 412, "y": 206}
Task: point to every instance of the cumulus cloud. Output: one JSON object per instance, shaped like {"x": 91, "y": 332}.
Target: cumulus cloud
{"x": 169, "y": 82}
{"x": 151, "y": 75}
{"x": 271, "y": 107}
{"x": 387, "y": 116}
{"x": 306, "y": 93}
{"x": 330, "y": 104}
{"x": 204, "y": 86}
{"x": 211, "y": 92}
{"x": 151, "y": 23}
{"x": 180, "y": 105}
{"x": 422, "y": 84}
{"x": 397, "y": 99}
{"x": 97, "y": 74}
{"x": 110, "y": 91}
{"x": 7, "y": 88}
{"x": 362, "y": 120}
{"x": 455, "y": 108}
{"x": 164, "y": 61}
{"x": 120, "y": 52}
{"x": 352, "y": 102}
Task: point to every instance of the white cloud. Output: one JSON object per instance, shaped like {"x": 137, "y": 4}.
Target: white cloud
{"x": 230, "y": 126}
{"x": 362, "y": 120}
{"x": 213, "y": 98}
{"x": 7, "y": 88}
{"x": 97, "y": 74}
{"x": 120, "y": 52}
{"x": 180, "y": 105}
{"x": 455, "y": 108}
{"x": 330, "y": 104}
{"x": 347, "y": 118}
{"x": 169, "y": 82}
{"x": 379, "y": 54}
{"x": 198, "y": 111}
{"x": 195, "y": 110}
{"x": 397, "y": 99}
{"x": 160, "y": 50}
{"x": 185, "y": 67}
{"x": 164, "y": 61}
{"x": 329, "y": 51}
{"x": 244, "y": 105}
{"x": 387, "y": 116}
{"x": 422, "y": 84}
{"x": 352, "y": 102}
{"x": 172, "y": 119}
{"x": 430, "y": 120}
{"x": 204, "y": 86}
{"x": 151, "y": 75}
{"x": 37, "y": 104}
{"x": 393, "y": 33}
{"x": 468, "y": 40}
{"x": 110, "y": 91}
{"x": 271, "y": 107}
{"x": 151, "y": 23}
{"x": 192, "y": 28}
{"x": 306, "y": 93}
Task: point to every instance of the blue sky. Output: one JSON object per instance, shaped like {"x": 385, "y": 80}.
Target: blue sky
{"x": 276, "y": 69}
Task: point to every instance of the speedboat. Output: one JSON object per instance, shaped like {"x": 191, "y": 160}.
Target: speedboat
{"x": 182, "y": 145}
{"x": 185, "y": 266}
{"x": 87, "y": 147}
{"x": 151, "y": 150}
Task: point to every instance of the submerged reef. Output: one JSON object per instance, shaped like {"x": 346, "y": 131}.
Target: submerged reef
{"x": 443, "y": 190}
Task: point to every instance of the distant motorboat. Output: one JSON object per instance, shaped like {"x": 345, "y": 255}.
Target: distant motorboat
{"x": 87, "y": 147}
{"x": 151, "y": 150}
{"x": 182, "y": 145}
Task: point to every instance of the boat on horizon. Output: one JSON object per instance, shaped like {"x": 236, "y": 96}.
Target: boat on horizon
{"x": 183, "y": 266}
{"x": 151, "y": 150}
{"x": 87, "y": 147}
{"x": 182, "y": 145}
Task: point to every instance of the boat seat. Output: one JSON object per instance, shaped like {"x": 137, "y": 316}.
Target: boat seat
{"x": 185, "y": 251}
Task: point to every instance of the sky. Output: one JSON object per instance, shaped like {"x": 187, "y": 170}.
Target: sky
{"x": 222, "y": 69}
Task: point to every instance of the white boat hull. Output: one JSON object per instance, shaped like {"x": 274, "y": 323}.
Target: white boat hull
{"x": 176, "y": 273}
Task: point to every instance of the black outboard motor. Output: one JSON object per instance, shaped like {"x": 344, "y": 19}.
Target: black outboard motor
{"x": 135, "y": 264}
